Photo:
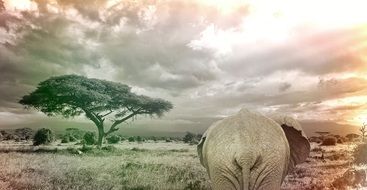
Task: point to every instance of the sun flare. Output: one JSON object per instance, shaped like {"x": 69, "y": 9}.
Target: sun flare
{"x": 19, "y": 4}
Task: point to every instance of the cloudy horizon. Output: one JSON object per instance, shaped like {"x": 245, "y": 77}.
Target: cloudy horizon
{"x": 209, "y": 58}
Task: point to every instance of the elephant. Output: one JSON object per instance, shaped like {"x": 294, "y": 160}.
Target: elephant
{"x": 251, "y": 151}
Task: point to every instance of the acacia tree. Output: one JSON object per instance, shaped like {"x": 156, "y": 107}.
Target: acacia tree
{"x": 98, "y": 100}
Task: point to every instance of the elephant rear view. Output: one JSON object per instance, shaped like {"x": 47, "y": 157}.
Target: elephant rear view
{"x": 251, "y": 151}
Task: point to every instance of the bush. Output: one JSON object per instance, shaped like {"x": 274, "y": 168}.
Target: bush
{"x": 352, "y": 136}
{"x": 360, "y": 154}
{"x": 8, "y": 136}
{"x": 77, "y": 134}
{"x": 351, "y": 178}
{"x": 113, "y": 139}
{"x": 329, "y": 141}
{"x": 122, "y": 138}
{"x": 341, "y": 140}
{"x": 85, "y": 148}
{"x": 194, "y": 142}
{"x": 65, "y": 139}
{"x": 168, "y": 140}
{"x": 140, "y": 139}
{"x": 315, "y": 139}
{"x": 43, "y": 136}
{"x": 72, "y": 138}
{"x": 68, "y": 138}
{"x": 109, "y": 148}
{"x": 24, "y": 133}
{"x": 90, "y": 138}
{"x": 189, "y": 137}
{"x": 17, "y": 138}
{"x": 131, "y": 139}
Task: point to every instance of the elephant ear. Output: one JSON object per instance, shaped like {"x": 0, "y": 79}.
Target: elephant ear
{"x": 297, "y": 139}
{"x": 200, "y": 148}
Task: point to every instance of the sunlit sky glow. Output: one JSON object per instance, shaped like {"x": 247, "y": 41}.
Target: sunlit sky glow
{"x": 209, "y": 57}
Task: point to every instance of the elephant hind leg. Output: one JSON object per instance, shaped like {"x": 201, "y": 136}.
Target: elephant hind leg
{"x": 271, "y": 179}
{"x": 221, "y": 182}
{"x": 225, "y": 180}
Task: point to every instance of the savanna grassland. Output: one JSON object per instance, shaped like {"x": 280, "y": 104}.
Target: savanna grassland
{"x": 147, "y": 165}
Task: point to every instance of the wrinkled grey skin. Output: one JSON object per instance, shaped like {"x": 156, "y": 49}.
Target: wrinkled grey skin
{"x": 251, "y": 151}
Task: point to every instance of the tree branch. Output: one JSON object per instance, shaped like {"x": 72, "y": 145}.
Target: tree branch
{"x": 107, "y": 114}
{"x": 117, "y": 122}
{"x": 92, "y": 117}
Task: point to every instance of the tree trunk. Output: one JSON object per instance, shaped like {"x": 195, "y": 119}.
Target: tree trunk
{"x": 100, "y": 135}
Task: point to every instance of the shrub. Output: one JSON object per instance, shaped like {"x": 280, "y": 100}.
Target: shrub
{"x": 90, "y": 138}
{"x": 8, "y": 136}
{"x": 73, "y": 150}
{"x": 113, "y": 139}
{"x": 360, "y": 154}
{"x": 85, "y": 148}
{"x": 17, "y": 138}
{"x": 154, "y": 138}
{"x": 168, "y": 139}
{"x": 131, "y": 139}
{"x": 122, "y": 138}
{"x": 350, "y": 178}
{"x": 140, "y": 139}
{"x": 194, "y": 142}
{"x": 65, "y": 139}
{"x": 43, "y": 136}
{"x": 315, "y": 139}
{"x": 317, "y": 149}
{"x": 76, "y": 133}
{"x": 24, "y": 133}
{"x": 329, "y": 141}
{"x": 109, "y": 148}
{"x": 352, "y": 136}
{"x": 3, "y": 132}
{"x": 72, "y": 138}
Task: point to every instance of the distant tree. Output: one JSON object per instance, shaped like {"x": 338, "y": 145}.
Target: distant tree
{"x": 43, "y": 136}
{"x": 189, "y": 137}
{"x": 73, "y": 95}
{"x": 363, "y": 131}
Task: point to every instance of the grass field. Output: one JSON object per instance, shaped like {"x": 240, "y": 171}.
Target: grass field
{"x": 140, "y": 166}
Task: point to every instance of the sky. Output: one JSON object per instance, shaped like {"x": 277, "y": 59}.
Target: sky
{"x": 209, "y": 58}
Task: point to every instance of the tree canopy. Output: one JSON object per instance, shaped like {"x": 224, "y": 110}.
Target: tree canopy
{"x": 73, "y": 95}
